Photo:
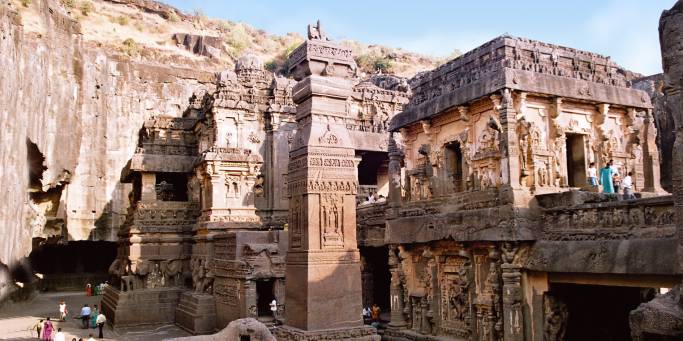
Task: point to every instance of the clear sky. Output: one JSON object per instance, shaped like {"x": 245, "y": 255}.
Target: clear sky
{"x": 626, "y": 30}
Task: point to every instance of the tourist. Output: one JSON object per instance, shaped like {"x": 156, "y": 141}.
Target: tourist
{"x": 381, "y": 198}
{"x": 85, "y": 315}
{"x": 592, "y": 175}
{"x": 88, "y": 289}
{"x": 606, "y": 178}
{"x": 93, "y": 317}
{"x": 273, "y": 307}
{"x": 60, "y": 336}
{"x": 616, "y": 177}
{"x": 90, "y": 338}
{"x": 101, "y": 320}
{"x": 38, "y": 327}
{"x": 627, "y": 185}
{"x": 47, "y": 329}
{"x": 63, "y": 311}
{"x": 374, "y": 313}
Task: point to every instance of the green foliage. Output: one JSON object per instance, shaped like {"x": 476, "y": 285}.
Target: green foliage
{"x": 272, "y": 66}
{"x": 86, "y": 7}
{"x": 26, "y": 3}
{"x": 121, "y": 20}
{"x": 383, "y": 64}
{"x": 374, "y": 62}
{"x": 172, "y": 16}
{"x": 130, "y": 47}
{"x": 238, "y": 40}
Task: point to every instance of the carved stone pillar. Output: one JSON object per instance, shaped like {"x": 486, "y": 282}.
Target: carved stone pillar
{"x": 394, "y": 196}
{"x": 512, "y": 303}
{"x": 509, "y": 143}
{"x": 395, "y": 292}
{"x": 323, "y": 286}
{"x": 651, "y": 156}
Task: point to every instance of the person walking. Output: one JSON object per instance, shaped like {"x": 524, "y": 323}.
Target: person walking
{"x": 60, "y": 335}
{"x": 85, "y": 316}
{"x": 592, "y": 175}
{"x": 627, "y": 185}
{"x": 47, "y": 329}
{"x": 93, "y": 317}
{"x": 606, "y": 178}
{"x": 63, "y": 311}
{"x": 101, "y": 320}
{"x": 38, "y": 327}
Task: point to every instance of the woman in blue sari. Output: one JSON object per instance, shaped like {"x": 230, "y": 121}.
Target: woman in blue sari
{"x": 606, "y": 178}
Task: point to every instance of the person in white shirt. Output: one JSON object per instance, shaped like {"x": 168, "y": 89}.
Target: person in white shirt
{"x": 62, "y": 310}
{"x": 101, "y": 319}
{"x": 60, "y": 335}
{"x": 627, "y": 185}
{"x": 91, "y": 338}
{"x": 592, "y": 175}
{"x": 273, "y": 307}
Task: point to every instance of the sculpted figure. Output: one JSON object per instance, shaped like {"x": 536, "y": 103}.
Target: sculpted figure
{"x": 316, "y": 32}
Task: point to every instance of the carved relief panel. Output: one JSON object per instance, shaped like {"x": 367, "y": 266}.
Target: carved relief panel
{"x": 331, "y": 220}
{"x": 455, "y": 302}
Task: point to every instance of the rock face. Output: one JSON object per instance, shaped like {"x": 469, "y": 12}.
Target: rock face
{"x": 664, "y": 121}
{"x": 71, "y": 116}
{"x": 662, "y": 318}
{"x": 235, "y": 331}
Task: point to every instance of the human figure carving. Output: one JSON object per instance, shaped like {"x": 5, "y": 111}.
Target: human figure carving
{"x": 316, "y": 32}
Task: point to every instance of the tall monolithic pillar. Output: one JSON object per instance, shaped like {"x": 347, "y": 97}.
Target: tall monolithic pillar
{"x": 671, "y": 42}
{"x": 323, "y": 287}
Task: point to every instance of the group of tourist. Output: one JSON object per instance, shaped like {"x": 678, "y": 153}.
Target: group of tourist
{"x": 91, "y": 290}
{"x": 611, "y": 180}
{"x": 374, "y": 198}
{"x": 90, "y": 318}
{"x": 372, "y": 314}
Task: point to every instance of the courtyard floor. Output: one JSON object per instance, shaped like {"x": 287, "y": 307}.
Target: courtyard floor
{"x": 17, "y": 319}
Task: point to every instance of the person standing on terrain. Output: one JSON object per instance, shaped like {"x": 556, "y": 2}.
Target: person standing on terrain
{"x": 63, "y": 311}
{"x": 606, "y": 178}
{"x": 38, "y": 327}
{"x": 101, "y": 320}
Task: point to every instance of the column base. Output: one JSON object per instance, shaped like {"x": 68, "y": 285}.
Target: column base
{"x": 364, "y": 333}
{"x": 196, "y": 313}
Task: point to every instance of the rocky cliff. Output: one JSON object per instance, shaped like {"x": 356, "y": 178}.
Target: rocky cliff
{"x": 71, "y": 113}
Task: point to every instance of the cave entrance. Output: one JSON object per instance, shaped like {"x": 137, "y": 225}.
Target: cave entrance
{"x": 576, "y": 160}
{"x": 264, "y": 295}
{"x": 70, "y": 266}
{"x": 373, "y": 174}
{"x": 375, "y": 276}
{"x": 454, "y": 161}
{"x": 171, "y": 186}
{"x": 598, "y": 312}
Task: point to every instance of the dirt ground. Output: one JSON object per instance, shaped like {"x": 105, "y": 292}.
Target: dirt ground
{"x": 16, "y": 320}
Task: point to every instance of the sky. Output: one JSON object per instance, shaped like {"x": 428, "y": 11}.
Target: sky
{"x": 625, "y": 30}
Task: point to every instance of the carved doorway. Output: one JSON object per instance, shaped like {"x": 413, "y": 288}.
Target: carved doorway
{"x": 264, "y": 295}
{"x": 576, "y": 160}
{"x": 454, "y": 167}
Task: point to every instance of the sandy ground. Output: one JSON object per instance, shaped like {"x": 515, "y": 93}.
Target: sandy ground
{"x": 16, "y": 320}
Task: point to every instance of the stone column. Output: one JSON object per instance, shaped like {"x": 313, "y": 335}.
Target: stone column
{"x": 394, "y": 195}
{"x": 395, "y": 292}
{"x": 323, "y": 286}
{"x": 512, "y": 303}
{"x": 651, "y": 156}
{"x": 509, "y": 142}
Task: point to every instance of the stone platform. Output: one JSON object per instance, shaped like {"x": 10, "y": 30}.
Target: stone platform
{"x": 364, "y": 333}
{"x": 140, "y": 307}
{"x": 196, "y": 313}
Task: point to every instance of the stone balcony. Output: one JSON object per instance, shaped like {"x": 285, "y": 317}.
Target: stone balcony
{"x": 371, "y": 223}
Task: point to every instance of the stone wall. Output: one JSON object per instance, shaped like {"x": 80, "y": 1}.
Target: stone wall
{"x": 82, "y": 107}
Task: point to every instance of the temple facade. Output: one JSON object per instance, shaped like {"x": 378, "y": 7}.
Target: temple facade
{"x": 264, "y": 190}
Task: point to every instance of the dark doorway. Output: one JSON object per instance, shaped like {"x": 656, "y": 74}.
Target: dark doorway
{"x": 376, "y": 277}
{"x": 453, "y": 160}
{"x": 171, "y": 186}
{"x": 264, "y": 295}
{"x": 70, "y": 266}
{"x": 576, "y": 161}
{"x": 598, "y": 313}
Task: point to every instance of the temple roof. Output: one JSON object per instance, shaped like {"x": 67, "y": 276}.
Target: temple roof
{"x": 524, "y": 65}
